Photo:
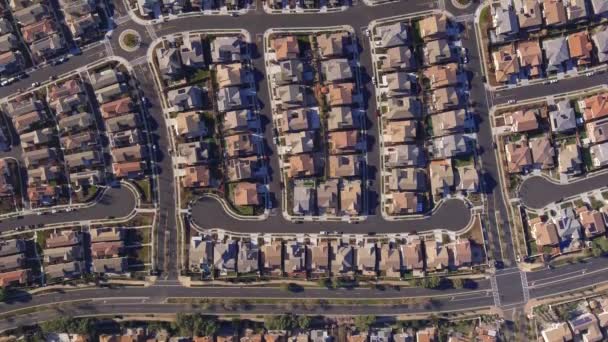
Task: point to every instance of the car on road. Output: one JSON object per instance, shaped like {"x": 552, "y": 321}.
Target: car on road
{"x": 35, "y": 84}
{"x": 322, "y": 232}
{"x": 511, "y": 101}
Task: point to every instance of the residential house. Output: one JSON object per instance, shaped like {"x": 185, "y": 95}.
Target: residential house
{"x": 105, "y": 78}
{"x": 344, "y": 166}
{"x": 594, "y": 107}
{"x": 295, "y": 120}
{"x": 450, "y": 146}
{"x": 232, "y": 98}
{"x": 530, "y": 57}
{"x": 288, "y": 71}
{"x": 42, "y": 195}
{"x": 187, "y": 98}
{"x": 85, "y": 159}
{"x": 32, "y": 14}
{"x": 189, "y": 125}
{"x": 122, "y": 123}
{"x": 586, "y": 325}
{"x": 299, "y": 142}
{"x": 191, "y": 51}
{"x": 504, "y": 20}
{"x": 404, "y": 203}
{"x": 341, "y": 118}
{"x": 62, "y": 254}
{"x": 14, "y": 278}
{"x": 436, "y": 52}
{"x": 556, "y": 53}
{"x": 285, "y": 48}
{"x": 240, "y": 145}
{"x": 237, "y": 121}
{"x": 592, "y": 222}
{"x": 400, "y": 84}
{"x": 407, "y": 179}
{"x": 506, "y": 64}
{"x": 227, "y": 75}
{"x": 224, "y": 257}
{"x": 468, "y": 178}
{"x": 522, "y": 121}
{"x": 8, "y": 42}
{"x": 126, "y": 138}
{"x": 106, "y": 234}
{"x": 128, "y": 153}
{"x": 397, "y": 58}
{"x": 12, "y": 262}
{"x": 599, "y": 154}
{"x": 563, "y": 118}
{"x": 23, "y": 123}
{"x": 600, "y": 7}
{"x": 200, "y": 254}
{"x": 303, "y": 199}
{"x": 117, "y": 108}
{"x": 442, "y": 75}
{"x": 245, "y": 194}
{"x": 554, "y": 13}
{"x": 403, "y": 108}
{"x": 226, "y": 49}
{"x": 529, "y": 14}
{"x": 319, "y": 258}
{"x": 463, "y": 254}
{"x": 35, "y": 158}
{"x": 334, "y": 44}
{"x": 341, "y": 260}
{"x": 247, "y": 259}
{"x": 438, "y": 256}
{"x": 390, "y": 260}
{"x": 242, "y": 168}
{"x": 169, "y": 63}
{"x": 366, "y": 259}
{"x": 443, "y": 99}
{"x": 403, "y": 155}
{"x": 597, "y": 131}
{"x": 341, "y": 94}
{"x": 580, "y": 47}
{"x": 543, "y": 153}
{"x": 295, "y": 261}
{"x": 576, "y": 10}
{"x": 327, "y": 197}
{"x": 413, "y": 257}
{"x": 341, "y": 142}
{"x": 111, "y": 249}
{"x": 433, "y": 27}
{"x": 447, "y": 123}
{"x": 47, "y": 47}
{"x": 393, "y": 35}
{"x": 112, "y": 266}
{"x": 570, "y": 160}
{"x": 545, "y": 233}
{"x": 12, "y": 246}
{"x": 519, "y": 156}
{"x": 111, "y": 92}
{"x": 304, "y": 165}
{"x": 351, "y": 197}
{"x": 290, "y": 96}
{"x": 75, "y": 123}
{"x": 271, "y": 257}
{"x": 36, "y": 138}
{"x": 336, "y": 70}
{"x": 197, "y": 176}
{"x": 399, "y": 132}
{"x": 442, "y": 177}
{"x": 600, "y": 40}
{"x": 70, "y": 270}
{"x": 11, "y": 62}
{"x": 557, "y": 332}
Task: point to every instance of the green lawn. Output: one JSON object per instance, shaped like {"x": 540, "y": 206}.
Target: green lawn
{"x": 144, "y": 187}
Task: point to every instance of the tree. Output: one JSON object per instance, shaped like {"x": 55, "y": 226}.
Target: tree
{"x": 304, "y": 322}
{"x": 363, "y": 323}
{"x": 457, "y": 283}
{"x": 280, "y": 322}
{"x": 433, "y": 282}
{"x": 3, "y": 295}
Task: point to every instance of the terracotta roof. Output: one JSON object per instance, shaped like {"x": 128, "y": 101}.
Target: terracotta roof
{"x": 285, "y": 47}
{"x": 580, "y": 47}
{"x": 595, "y": 107}
{"x": 522, "y": 121}
{"x": 519, "y": 156}
{"x": 196, "y": 176}
{"x": 530, "y": 56}
{"x": 593, "y": 222}
{"x": 341, "y": 94}
{"x": 246, "y": 193}
{"x": 555, "y": 12}
{"x": 505, "y": 62}
{"x": 545, "y": 233}
{"x": 117, "y": 107}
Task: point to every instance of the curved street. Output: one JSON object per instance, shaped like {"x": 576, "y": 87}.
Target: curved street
{"x": 537, "y": 192}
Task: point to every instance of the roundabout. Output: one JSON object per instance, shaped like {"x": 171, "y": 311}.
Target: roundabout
{"x": 129, "y": 40}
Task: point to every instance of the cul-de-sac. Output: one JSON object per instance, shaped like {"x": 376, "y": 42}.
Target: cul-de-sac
{"x": 303, "y": 170}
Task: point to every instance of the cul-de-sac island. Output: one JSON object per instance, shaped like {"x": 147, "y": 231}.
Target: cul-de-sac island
{"x": 303, "y": 170}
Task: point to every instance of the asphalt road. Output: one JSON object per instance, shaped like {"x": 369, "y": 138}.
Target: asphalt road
{"x": 537, "y": 192}
{"x": 452, "y": 215}
{"x": 117, "y": 202}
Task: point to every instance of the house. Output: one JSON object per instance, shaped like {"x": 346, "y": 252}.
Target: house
{"x": 227, "y": 75}
{"x": 554, "y": 13}
{"x": 111, "y": 249}
{"x": 106, "y": 78}
{"x": 506, "y": 64}
{"x": 597, "y": 131}
{"x": 504, "y": 20}
{"x": 327, "y": 197}
{"x": 47, "y": 47}
{"x": 35, "y": 158}
{"x": 62, "y": 254}
{"x": 241, "y": 168}
{"x": 290, "y": 96}
{"x": 224, "y": 257}
{"x": 341, "y": 118}
{"x": 192, "y": 153}
{"x": 13, "y": 278}
{"x": 128, "y": 153}
{"x": 299, "y": 142}
{"x": 352, "y": 337}
{"x": 200, "y": 254}
{"x": 296, "y": 119}
{"x": 189, "y": 125}
{"x": 288, "y": 71}
{"x": 42, "y": 195}
{"x": 8, "y": 42}
{"x": 6, "y": 178}
{"x": 79, "y": 141}
{"x": 557, "y": 332}
{"x": 592, "y": 222}
{"x": 390, "y": 260}
{"x": 232, "y": 98}
{"x": 530, "y": 57}
{"x": 519, "y": 156}
{"x": 125, "y": 138}
{"x": 543, "y": 153}
{"x": 304, "y": 165}
{"x": 13, "y": 246}
{"x": 545, "y": 233}
{"x": 83, "y": 27}
{"x": 366, "y": 259}
{"x": 187, "y": 98}
{"x": 594, "y": 107}
{"x": 19, "y": 107}
{"x": 438, "y": 256}
{"x": 5, "y": 26}
{"x": 36, "y": 138}
{"x": 447, "y": 123}
{"x": 23, "y": 123}
{"x": 247, "y": 259}
{"x": 240, "y": 145}
{"x": 450, "y": 146}
{"x": 587, "y": 326}
{"x": 245, "y": 193}
{"x": 236, "y": 121}
{"x": 341, "y": 142}
{"x": 351, "y": 197}
{"x": 341, "y": 94}
{"x": 599, "y": 154}
{"x": 191, "y": 51}
{"x": 303, "y": 200}
{"x": 427, "y": 334}
{"x": 112, "y": 266}
{"x": 271, "y": 257}
{"x": 319, "y": 259}
{"x": 333, "y": 45}
{"x": 463, "y": 255}
{"x": 404, "y": 203}
{"x": 106, "y": 234}
{"x": 600, "y": 40}
{"x": 320, "y": 336}
{"x": 64, "y": 271}
{"x": 111, "y": 92}
{"x": 393, "y": 35}
{"x": 468, "y": 178}
{"x": 295, "y": 261}
{"x": 341, "y": 260}
{"x": 286, "y": 47}
{"x": 576, "y": 10}
{"x": 444, "y": 99}
{"x": 407, "y": 179}
{"x": 403, "y": 108}
{"x": 11, "y": 62}
{"x": 76, "y": 122}
{"x": 413, "y": 258}
{"x": 169, "y": 63}
{"x": 563, "y": 118}
{"x": 442, "y": 75}
{"x": 600, "y": 8}
{"x": 397, "y": 58}
{"x": 436, "y": 52}
{"x": 570, "y": 159}
{"x": 442, "y": 177}
{"x": 336, "y": 70}
{"x": 529, "y": 14}
{"x": 85, "y": 159}
{"x": 580, "y": 47}
{"x": 226, "y": 49}
{"x": 556, "y": 53}
{"x": 433, "y": 27}
{"x": 400, "y": 84}
{"x": 403, "y": 155}
{"x": 522, "y": 121}
{"x": 399, "y": 132}
{"x": 344, "y": 166}
{"x": 12, "y": 262}
{"x": 117, "y": 107}
{"x": 32, "y": 14}
{"x": 122, "y": 123}
{"x": 197, "y": 176}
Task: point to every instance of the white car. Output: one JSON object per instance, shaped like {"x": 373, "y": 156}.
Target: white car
{"x": 511, "y": 101}
{"x": 35, "y": 84}
{"x": 367, "y": 32}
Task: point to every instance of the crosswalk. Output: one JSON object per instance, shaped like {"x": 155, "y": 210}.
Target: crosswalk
{"x": 495, "y": 292}
{"x": 139, "y": 60}
{"x": 151, "y": 32}
{"x": 108, "y": 47}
